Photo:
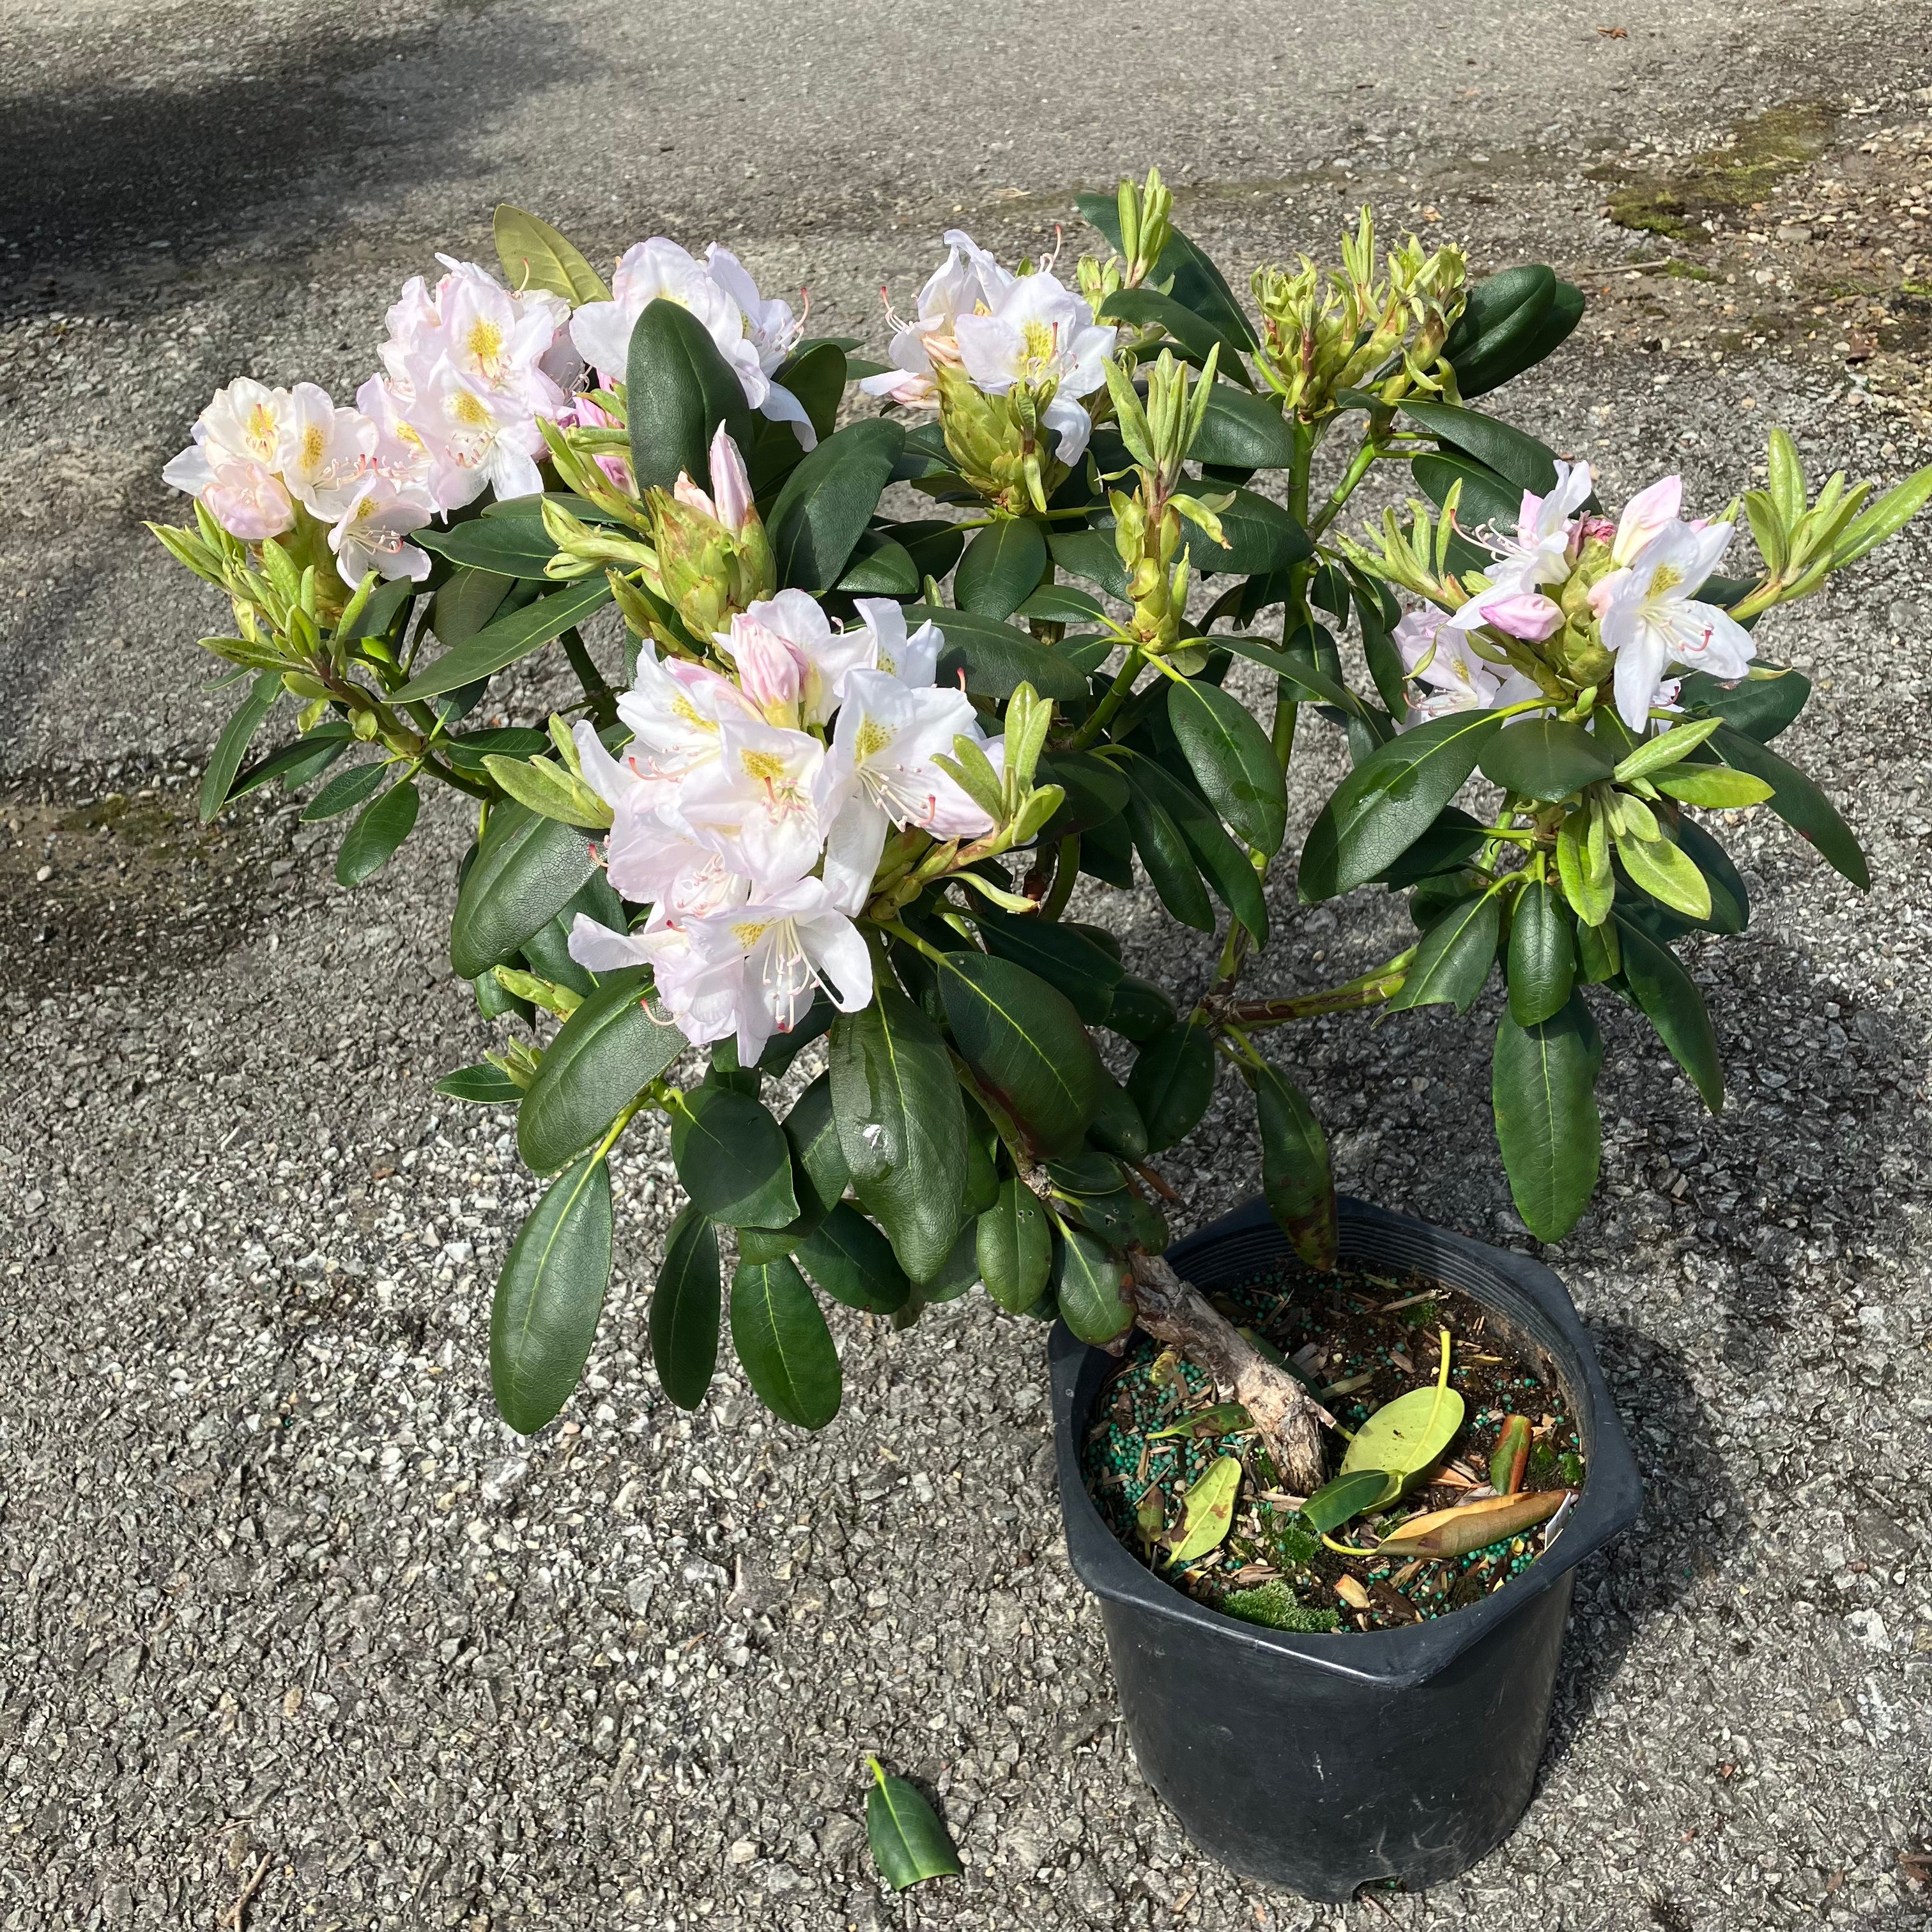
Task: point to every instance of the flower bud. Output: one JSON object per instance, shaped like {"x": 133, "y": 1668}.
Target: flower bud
{"x": 713, "y": 557}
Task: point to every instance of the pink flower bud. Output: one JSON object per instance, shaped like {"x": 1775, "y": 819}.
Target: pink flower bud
{"x": 688, "y": 494}
{"x": 730, "y": 484}
{"x": 1645, "y": 515}
{"x": 1524, "y": 614}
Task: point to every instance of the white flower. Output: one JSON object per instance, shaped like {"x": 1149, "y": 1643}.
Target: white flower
{"x": 790, "y": 625}
{"x": 504, "y": 342}
{"x": 882, "y": 773}
{"x": 369, "y": 534}
{"x": 479, "y": 439}
{"x": 1649, "y": 617}
{"x": 1438, "y": 653}
{"x": 326, "y": 453}
{"x": 967, "y": 283}
{"x": 753, "y": 335}
{"x": 674, "y": 710}
{"x": 1038, "y": 331}
{"x": 233, "y": 464}
{"x": 759, "y": 802}
{"x": 914, "y": 660}
{"x": 247, "y": 499}
{"x": 1541, "y": 551}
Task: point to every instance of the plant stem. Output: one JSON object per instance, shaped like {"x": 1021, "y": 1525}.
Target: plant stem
{"x": 1286, "y": 708}
{"x": 603, "y": 700}
{"x": 1117, "y": 694}
{"x": 1176, "y": 1314}
{"x": 1064, "y": 878}
{"x": 1365, "y": 458}
{"x": 1369, "y": 989}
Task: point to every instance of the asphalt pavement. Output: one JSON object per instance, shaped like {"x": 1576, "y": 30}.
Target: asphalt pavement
{"x": 288, "y": 1617}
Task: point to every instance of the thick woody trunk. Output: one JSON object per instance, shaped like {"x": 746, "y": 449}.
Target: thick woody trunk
{"x": 1177, "y": 1314}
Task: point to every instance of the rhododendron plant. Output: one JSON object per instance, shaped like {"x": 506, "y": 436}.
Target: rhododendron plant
{"x": 835, "y": 773}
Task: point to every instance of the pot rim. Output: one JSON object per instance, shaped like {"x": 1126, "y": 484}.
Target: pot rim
{"x": 1533, "y": 1296}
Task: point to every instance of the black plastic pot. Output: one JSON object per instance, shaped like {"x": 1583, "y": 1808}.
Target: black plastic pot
{"x": 1323, "y": 1762}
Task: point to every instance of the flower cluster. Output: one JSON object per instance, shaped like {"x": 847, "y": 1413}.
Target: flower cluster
{"x": 1573, "y": 593}
{"x": 752, "y": 804}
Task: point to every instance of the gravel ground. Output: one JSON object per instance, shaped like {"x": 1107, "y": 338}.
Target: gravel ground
{"x": 286, "y": 1614}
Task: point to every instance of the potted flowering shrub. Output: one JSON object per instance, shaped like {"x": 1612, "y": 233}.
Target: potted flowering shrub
{"x": 824, "y": 803}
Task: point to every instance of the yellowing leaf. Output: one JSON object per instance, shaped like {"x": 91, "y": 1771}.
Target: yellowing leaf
{"x": 1207, "y": 1511}
{"x": 1404, "y": 1436}
{"x": 1454, "y": 1532}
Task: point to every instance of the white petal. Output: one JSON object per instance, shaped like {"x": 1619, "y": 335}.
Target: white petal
{"x": 598, "y": 949}
{"x": 782, "y": 406}
{"x": 838, "y": 949}
{"x": 1071, "y": 423}
{"x": 852, "y": 852}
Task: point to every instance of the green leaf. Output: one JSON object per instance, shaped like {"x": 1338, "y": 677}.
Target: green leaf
{"x": 1080, "y": 968}
{"x": 1452, "y": 964}
{"x": 1223, "y": 864}
{"x": 1542, "y": 955}
{"x": 1511, "y": 302}
{"x": 829, "y": 499}
{"x": 996, "y": 659}
{"x": 504, "y": 546}
{"x": 1086, "y": 1279}
{"x": 783, "y": 1343}
{"x": 1117, "y": 1125}
{"x": 1207, "y": 1512}
{"x": 685, "y": 1308}
{"x": 1298, "y": 671}
{"x": 1002, "y": 564}
{"x": 816, "y": 373}
{"x": 549, "y": 1296}
{"x": 902, "y": 1126}
{"x": 1663, "y": 872}
{"x": 1191, "y": 277}
{"x": 1583, "y": 864}
{"x": 1799, "y": 802}
{"x": 1013, "y": 1245}
{"x": 1517, "y": 458}
{"x": 1883, "y": 519}
{"x": 482, "y": 1086}
{"x": 1486, "y": 498}
{"x": 1169, "y": 864}
{"x": 1095, "y": 791}
{"x": 678, "y": 389}
{"x": 534, "y": 255}
{"x": 467, "y": 602}
{"x": 1447, "y": 846}
{"x": 1239, "y": 431}
{"x": 1025, "y": 1042}
{"x": 1715, "y": 788}
{"x": 1062, "y": 604}
{"x": 506, "y": 640}
{"x": 878, "y": 567}
{"x": 813, "y": 1132}
{"x": 346, "y": 790}
{"x": 733, "y": 1158}
{"x": 232, "y": 745}
{"x": 907, "y": 1842}
{"x": 1543, "y": 1090}
{"x": 1140, "y": 1009}
{"x": 375, "y": 616}
{"x": 1090, "y": 554}
{"x": 853, "y": 1262}
{"x": 1197, "y": 336}
{"x": 1545, "y": 758}
{"x": 1406, "y": 1436}
{"x": 1295, "y": 1175}
{"x": 606, "y": 1053}
{"x": 1172, "y": 1083}
{"x": 372, "y": 839}
{"x": 1674, "y": 1006}
{"x": 1261, "y": 537}
{"x": 933, "y": 543}
{"x": 1232, "y": 759}
{"x": 1345, "y": 1498}
{"x": 297, "y": 764}
{"x": 1390, "y": 800}
{"x": 526, "y": 871}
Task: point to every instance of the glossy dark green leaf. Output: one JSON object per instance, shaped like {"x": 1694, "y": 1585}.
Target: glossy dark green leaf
{"x": 549, "y": 1296}
{"x": 1759, "y": 707}
{"x": 782, "y": 1342}
{"x": 608, "y": 1050}
{"x": 813, "y": 1131}
{"x": 1197, "y": 338}
{"x": 1225, "y": 867}
{"x": 1107, "y": 852}
{"x": 387, "y": 602}
{"x": 1090, "y": 554}
{"x": 1013, "y": 1245}
{"x": 1140, "y": 1009}
{"x": 996, "y": 659}
{"x": 1545, "y": 758}
{"x": 467, "y": 602}
{"x": 1730, "y": 903}
{"x": 878, "y": 567}
{"x": 1511, "y": 300}
{"x": 1486, "y": 498}
{"x": 297, "y": 764}
{"x": 1172, "y": 1082}
{"x": 1296, "y": 1178}
{"x": 955, "y": 1275}
{"x": 685, "y": 1308}
{"x": 1452, "y": 964}
{"x": 1002, "y": 564}
{"x": 1389, "y": 799}
{"x": 1241, "y": 431}
{"x": 733, "y": 1158}
{"x": 1261, "y": 537}
{"x": 1232, "y": 759}
{"x": 509, "y": 546}
{"x": 853, "y": 1262}
{"x": 346, "y": 790}
{"x": 1297, "y": 666}
{"x": 1082, "y": 969}
{"x": 1026, "y": 1043}
{"x": 1345, "y": 1498}
{"x": 902, "y": 1126}
{"x": 1117, "y": 1125}
{"x": 232, "y": 747}
{"x": 372, "y": 840}
{"x": 907, "y": 1842}
{"x": 1542, "y": 955}
{"x": 679, "y": 388}
{"x": 1449, "y": 843}
{"x": 829, "y": 499}
{"x": 816, "y": 373}
{"x": 1798, "y": 801}
{"x": 1170, "y": 864}
{"x": 1095, "y": 791}
{"x": 1543, "y": 1091}
{"x": 526, "y": 871}
{"x": 1517, "y": 458}
{"x": 1088, "y": 1280}
{"x": 1062, "y": 604}
{"x": 934, "y": 544}
{"x": 482, "y": 1085}
{"x": 507, "y": 639}
{"x": 1672, "y": 1004}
